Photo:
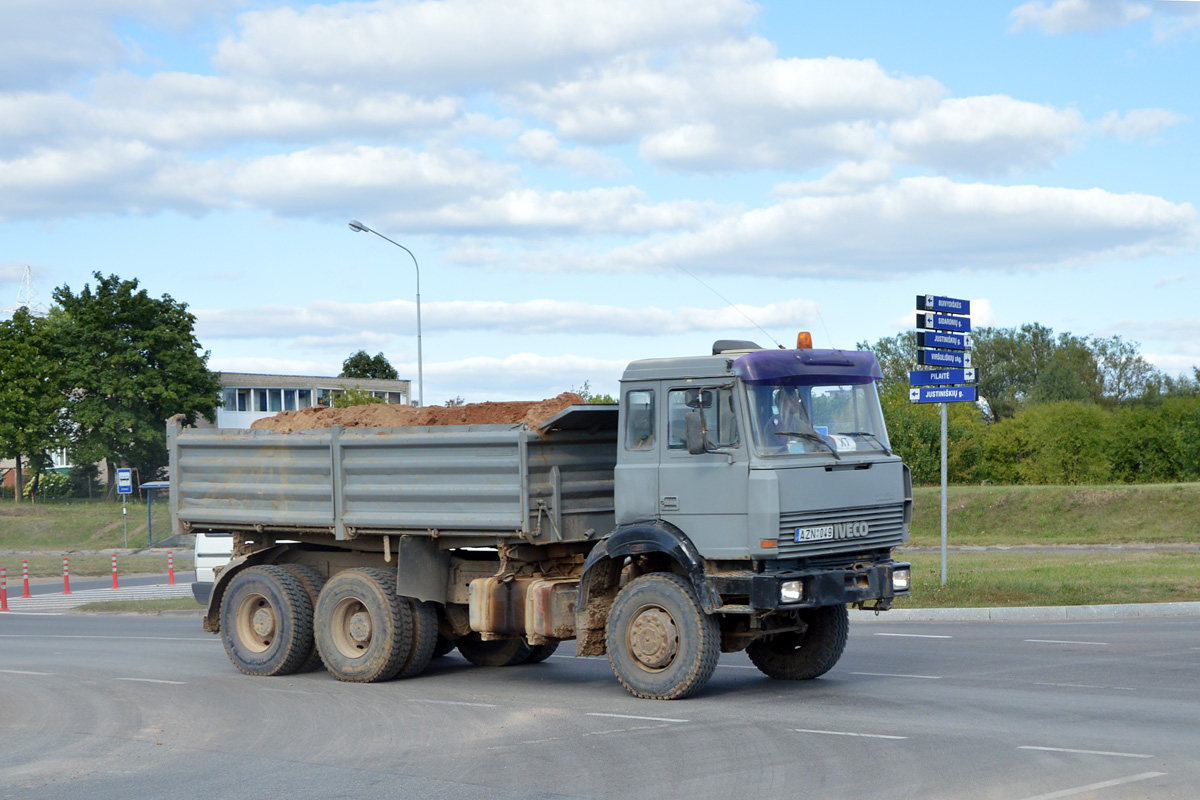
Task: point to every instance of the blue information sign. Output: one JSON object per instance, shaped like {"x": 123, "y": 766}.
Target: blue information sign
{"x": 943, "y": 322}
{"x": 941, "y": 377}
{"x": 124, "y": 481}
{"x": 944, "y": 358}
{"x": 946, "y": 305}
{"x": 941, "y": 394}
{"x": 951, "y": 341}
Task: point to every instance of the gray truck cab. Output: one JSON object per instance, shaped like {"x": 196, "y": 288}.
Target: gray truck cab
{"x": 789, "y": 476}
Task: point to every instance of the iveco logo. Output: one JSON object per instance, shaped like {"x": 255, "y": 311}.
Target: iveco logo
{"x": 839, "y": 530}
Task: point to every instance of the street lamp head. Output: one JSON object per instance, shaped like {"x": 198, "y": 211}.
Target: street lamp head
{"x": 355, "y": 225}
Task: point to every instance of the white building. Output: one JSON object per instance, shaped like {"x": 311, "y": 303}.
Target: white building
{"x": 247, "y": 397}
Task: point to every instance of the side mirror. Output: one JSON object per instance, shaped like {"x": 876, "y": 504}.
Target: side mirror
{"x": 695, "y": 432}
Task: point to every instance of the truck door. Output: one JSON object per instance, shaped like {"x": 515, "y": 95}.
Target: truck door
{"x": 705, "y": 495}
{"x": 636, "y": 476}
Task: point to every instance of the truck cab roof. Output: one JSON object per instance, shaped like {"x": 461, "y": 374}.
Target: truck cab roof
{"x": 761, "y": 365}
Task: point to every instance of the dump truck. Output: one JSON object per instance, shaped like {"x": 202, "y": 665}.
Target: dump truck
{"x": 741, "y": 500}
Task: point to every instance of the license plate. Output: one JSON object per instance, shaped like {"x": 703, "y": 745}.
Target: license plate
{"x": 814, "y": 534}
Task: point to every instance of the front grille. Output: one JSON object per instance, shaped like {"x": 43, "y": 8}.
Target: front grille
{"x": 885, "y": 529}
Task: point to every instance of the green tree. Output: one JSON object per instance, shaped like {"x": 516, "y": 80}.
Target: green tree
{"x": 361, "y": 365}
{"x": 31, "y": 394}
{"x": 355, "y": 397}
{"x": 131, "y": 361}
{"x": 592, "y": 398}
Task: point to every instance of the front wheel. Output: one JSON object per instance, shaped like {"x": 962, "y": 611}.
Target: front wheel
{"x": 661, "y": 645}
{"x": 796, "y": 656}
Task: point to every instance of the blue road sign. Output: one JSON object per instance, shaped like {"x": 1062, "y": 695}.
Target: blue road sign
{"x": 940, "y": 377}
{"x": 952, "y": 341}
{"x": 941, "y": 394}
{"x": 944, "y": 358}
{"x": 943, "y": 322}
{"x": 124, "y": 481}
{"x": 946, "y": 305}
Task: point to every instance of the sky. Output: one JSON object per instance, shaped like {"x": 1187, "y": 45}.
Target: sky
{"x": 584, "y": 183}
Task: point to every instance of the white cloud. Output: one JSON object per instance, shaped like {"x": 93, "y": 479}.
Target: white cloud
{"x": 544, "y": 149}
{"x": 1072, "y": 16}
{"x": 1141, "y": 123}
{"x": 1168, "y": 280}
{"x": 461, "y": 44}
{"x": 987, "y": 135}
{"x": 369, "y": 325}
{"x": 848, "y": 178}
{"x": 921, "y": 224}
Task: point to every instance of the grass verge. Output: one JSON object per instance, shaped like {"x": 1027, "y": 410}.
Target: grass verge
{"x": 1007, "y": 515}
{"x": 141, "y": 606}
{"x": 982, "y": 580}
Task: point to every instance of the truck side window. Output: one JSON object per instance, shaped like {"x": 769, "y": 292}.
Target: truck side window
{"x": 720, "y": 417}
{"x": 639, "y": 425}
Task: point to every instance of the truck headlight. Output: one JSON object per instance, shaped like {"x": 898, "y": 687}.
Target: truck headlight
{"x": 901, "y": 580}
{"x": 791, "y": 591}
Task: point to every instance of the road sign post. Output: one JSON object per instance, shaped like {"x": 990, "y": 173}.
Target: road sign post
{"x": 125, "y": 488}
{"x": 944, "y": 342}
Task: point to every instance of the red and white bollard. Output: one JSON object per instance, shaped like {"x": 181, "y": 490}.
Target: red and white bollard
{"x": 25, "y": 577}
{"x": 3, "y": 590}
{"x": 170, "y": 568}
{"x": 66, "y": 577}
{"x": 114, "y": 570}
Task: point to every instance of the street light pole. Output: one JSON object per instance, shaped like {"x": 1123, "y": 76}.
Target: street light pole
{"x": 358, "y": 227}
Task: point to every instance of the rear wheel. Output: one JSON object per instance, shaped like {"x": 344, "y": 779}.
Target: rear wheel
{"x": 424, "y": 621}
{"x": 802, "y": 656}
{"x": 266, "y": 621}
{"x": 493, "y": 653}
{"x": 540, "y": 652}
{"x": 661, "y": 644}
{"x": 443, "y": 646}
{"x": 363, "y": 630}
{"x": 312, "y": 581}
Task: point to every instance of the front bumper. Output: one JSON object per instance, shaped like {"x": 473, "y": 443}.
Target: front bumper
{"x": 821, "y": 586}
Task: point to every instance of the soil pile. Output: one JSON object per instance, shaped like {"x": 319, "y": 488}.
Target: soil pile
{"x": 533, "y": 413}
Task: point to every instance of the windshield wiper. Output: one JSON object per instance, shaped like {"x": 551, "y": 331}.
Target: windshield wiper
{"x": 812, "y": 437}
{"x": 878, "y": 441}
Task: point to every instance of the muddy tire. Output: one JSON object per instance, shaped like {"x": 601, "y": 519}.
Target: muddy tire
{"x": 312, "y": 581}
{"x": 266, "y": 621}
{"x": 424, "y": 622}
{"x": 495, "y": 653}
{"x": 661, "y": 645}
{"x": 804, "y": 656}
{"x": 363, "y": 630}
{"x": 540, "y": 652}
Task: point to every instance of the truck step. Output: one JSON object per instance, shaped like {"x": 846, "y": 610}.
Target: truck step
{"x": 735, "y": 610}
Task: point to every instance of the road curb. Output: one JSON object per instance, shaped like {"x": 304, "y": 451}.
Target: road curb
{"x": 1029, "y": 613}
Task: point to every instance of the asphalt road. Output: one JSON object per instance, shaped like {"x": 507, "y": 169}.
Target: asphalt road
{"x": 138, "y": 707}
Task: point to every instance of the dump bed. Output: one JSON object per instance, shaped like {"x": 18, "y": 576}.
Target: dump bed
{"x": 504, "y": 481}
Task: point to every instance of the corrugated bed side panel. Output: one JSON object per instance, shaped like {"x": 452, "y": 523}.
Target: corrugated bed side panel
{"x": 585, "y": 463}
{"x": 465, "y": 480}
{"x": 244, "y": 478}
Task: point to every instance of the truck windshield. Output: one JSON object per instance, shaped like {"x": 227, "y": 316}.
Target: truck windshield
{"x": 837, "y": 419}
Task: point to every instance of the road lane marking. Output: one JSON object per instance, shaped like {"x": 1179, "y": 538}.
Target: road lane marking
{"x": 25, "y": 672}
{"x": 1064, "y": 641}
{"x": 204, "y": 639}
{"x": 915, "y": 635}
{"x": 451, "y": 703}
{"x": 898, "y": 675}
{"x": 1091, "y": 787}
{"x": 1083, "y": 752}
{"x": 151, "y": 680}
{"x": 1085, "y": 686}
{"x": 848, "y": 733}
{"x": 630, "y": 716}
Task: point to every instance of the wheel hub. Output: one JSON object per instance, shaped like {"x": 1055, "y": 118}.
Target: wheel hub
{"x": 359, "y": 627}
{"x": 653, "y": 638}
{"x": 263, "y": 622}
